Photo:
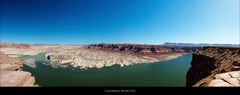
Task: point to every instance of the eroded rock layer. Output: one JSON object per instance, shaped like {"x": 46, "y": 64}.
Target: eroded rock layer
{"x": 11, "y": 73}
{"x": 209, "y": 61}
{"x": 8, "y": 60}
{"x": 137, "y": 48}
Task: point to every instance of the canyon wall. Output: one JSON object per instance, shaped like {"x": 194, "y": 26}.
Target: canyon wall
{"x": 211, "y": 62}
{"x": 145, "y": 49}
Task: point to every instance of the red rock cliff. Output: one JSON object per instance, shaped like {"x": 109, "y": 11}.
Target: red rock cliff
{"x": 209, "y": 61}
{"x": 136, "y": 48}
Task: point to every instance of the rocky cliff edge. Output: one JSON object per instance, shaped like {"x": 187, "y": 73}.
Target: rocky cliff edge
{"x": 215, "y": 66}
{"x": 11, "y": 74}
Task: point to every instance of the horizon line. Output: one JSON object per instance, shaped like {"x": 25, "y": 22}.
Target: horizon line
{"x": 165, "y": 43}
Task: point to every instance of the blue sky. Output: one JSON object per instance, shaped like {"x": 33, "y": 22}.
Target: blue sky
{"x": 120, "y": 21}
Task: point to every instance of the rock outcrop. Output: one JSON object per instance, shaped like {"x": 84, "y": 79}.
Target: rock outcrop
{"x": 211, "y": 64}
{"x": 11, "y": 73}
{"x": 226, "y": 79}
{"x": 9, "y": 60}
{"x": 144, "y": 49}
{"x": 85, "y": 58}
{"x": 16, "y": 78}
{"x": 95, "y": 58}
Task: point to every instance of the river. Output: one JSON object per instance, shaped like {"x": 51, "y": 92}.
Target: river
{"x": 161, "y": 74}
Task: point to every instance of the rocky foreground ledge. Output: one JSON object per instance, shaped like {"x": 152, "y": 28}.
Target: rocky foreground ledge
{"x": 11, "y": 73}
{"x": 214, "y": 67}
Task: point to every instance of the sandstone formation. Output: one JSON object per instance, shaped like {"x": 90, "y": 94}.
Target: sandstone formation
{"x": 87, "y": 57}
{"x": 226, "y": 79}
{"x": 10, "y": 67}
{"x": 16, "y": 78}
{"x": 11, "y": 73}
{"x": 145, "y": 49}
{"x": 213, "y": 66}
{"x": 8, "y": 60}
{"x": 84, "y": 58}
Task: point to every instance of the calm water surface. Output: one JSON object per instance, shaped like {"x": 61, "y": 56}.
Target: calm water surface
{"x": 164, "y": 73}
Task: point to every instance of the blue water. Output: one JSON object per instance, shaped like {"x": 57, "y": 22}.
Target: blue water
{"x": 164, "y": 73}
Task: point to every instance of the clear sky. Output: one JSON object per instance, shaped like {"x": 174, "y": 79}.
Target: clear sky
{"x": 120, "y": 21}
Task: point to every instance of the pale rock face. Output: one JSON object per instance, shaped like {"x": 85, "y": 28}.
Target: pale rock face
{"x": 9, "y": 67}
{"x": 16, "y": 78}
{"x": 5, "y": 59}
{"x": 85, "y": 58}
{"x": 226, "y": 79}
{"x": 218, "y": 83}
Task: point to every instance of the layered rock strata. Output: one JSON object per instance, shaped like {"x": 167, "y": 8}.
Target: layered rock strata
{"x": 8, "y": 60}
{"x": 214, "y": 66}
{"x": 145, "y": 49}
{"x": 11, "y": 73}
